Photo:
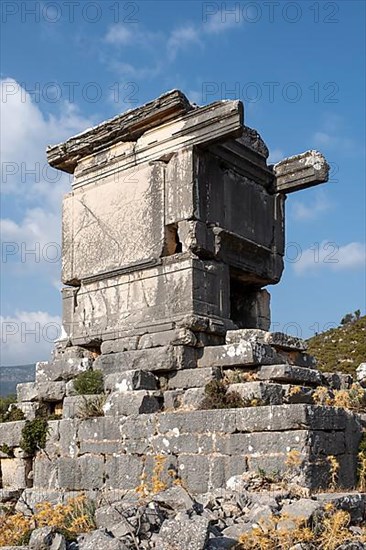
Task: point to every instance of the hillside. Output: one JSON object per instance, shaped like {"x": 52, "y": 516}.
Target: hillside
{"x": 340, "y": 349}
{"x": 11, "y": 376}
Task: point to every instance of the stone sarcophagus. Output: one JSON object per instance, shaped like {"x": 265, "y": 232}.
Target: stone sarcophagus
{"x": 174, "y": 221}
{"x": 172, "y": 230}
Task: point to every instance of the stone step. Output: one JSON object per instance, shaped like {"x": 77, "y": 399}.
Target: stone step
{"x": 277, "y": 339}
{"x": 130, "y": 380}
{"x": 237, "y": 355}
{"x": 290, "y": 373}
{"x": 164, "y": 358}
{"x": 264, "y": 393}
{"x": 132, "y": 402}
{"x": 193, "y": 378}
{"x": 63, "y": 368}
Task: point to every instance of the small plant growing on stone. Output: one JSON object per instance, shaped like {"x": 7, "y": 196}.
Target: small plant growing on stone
{"x": 333, "y": 472}
{"x": 6, "y": 450}
{"x": 321, "y": 396}
{"x": 93, "y": 407}
{"x": 9, "y": 412}
{"x": 217, "y": 397}
{"x": 34, "y": 435}
{"x": 353, "y": 398}
{"x": 89, "y": 382}
{"x": 361, "y": 469}
{"x": 70, "y": 519}
{"x": 293, "y": 459}
{"x": 157, "y": 484}
{"x": 330, "y": 533}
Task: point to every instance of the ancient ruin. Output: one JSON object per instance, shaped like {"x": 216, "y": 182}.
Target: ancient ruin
{"x": 172, "y": 231}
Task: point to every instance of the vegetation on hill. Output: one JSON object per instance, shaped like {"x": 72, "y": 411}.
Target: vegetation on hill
{"x": 11, "y": 376}
{"x": 343, "y": 348}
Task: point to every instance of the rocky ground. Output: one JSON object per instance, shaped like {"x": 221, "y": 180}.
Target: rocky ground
{"x": 255, "y": 511}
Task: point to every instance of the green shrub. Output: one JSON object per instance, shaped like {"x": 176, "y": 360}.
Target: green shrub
{"x": 89, "y": 382}
{"x": 4, "y": 448}
{"x": 92, "y": 407}
{"x": 34, "y": 435}
{"x": 217, "y": 397}
{"x": 8, "y": 411}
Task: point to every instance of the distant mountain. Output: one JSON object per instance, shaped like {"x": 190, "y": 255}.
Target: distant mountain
{"x": 341, "y": 349}
{"x": 11, "y": 376}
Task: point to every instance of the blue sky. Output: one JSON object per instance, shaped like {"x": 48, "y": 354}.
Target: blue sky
{"x": 299, "y": 67}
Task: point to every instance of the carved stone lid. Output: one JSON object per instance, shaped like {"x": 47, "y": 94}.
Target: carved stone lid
{"x": 128, "y": 126}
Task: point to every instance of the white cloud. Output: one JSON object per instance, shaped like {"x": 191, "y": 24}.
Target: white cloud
{"x": 182, "y": 38}
{"x": 333, "y": 135}
{"x": 162, "y": 47}
{"x": 310, "y": 210}
{"x": 120, "y": 34}
{"x": 25, "y": 133}
{"x": 329, "y": 255}
{"x": 221, "y": 22}
{"x": 27, "y": 336}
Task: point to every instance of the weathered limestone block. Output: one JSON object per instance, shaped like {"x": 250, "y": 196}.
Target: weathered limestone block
{"x": 46, "y": 538}
{"x": 14, "y": 473}
{"x": 276, "y": 339}
{"x": 11, "y": 433}
{"x": 131, "y": 402}
{"x": 192, "y": 398}
{"x": 361, "y": 374}
{"x": 62, "y": 368}
{"x": 197, "y": 237}
{"x": 193, "y": 378}
{"x": 70, "y": 389}
{"x": 99, "y": 539}
{"x": 51, "y": 391}
{"x": 45, "y": 473}
{"x": 63, "y": 350}
{"x": 265, "y": 393}
{"x": 297, "y": 358}
{"x": 27, "y": 391}
{"x": 232, "y": 355}
{"x": 290, "y": 373}
{"x": 86, "y": 471}
{"x": 124, "y": 229}
{"x": 263, "y": 444}
{"x": 29, "y": 409}
{"x": 111, "y": 307}
{"x": 130, "y": 380}
{"x": 178, "y": 337}
{"x": 172, "y": 399}
{"x": 182, "y": 533}
{"x": 164, "y": 358}
{"x": 266, "y": 418}
{"x": 300, "y": 171}
{"x": 120, "y": 344}
{"x": 101, "y": 435}
{"x": 123, "y": 472}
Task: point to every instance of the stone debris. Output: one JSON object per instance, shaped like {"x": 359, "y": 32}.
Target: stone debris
{"x": 174, "y": 520}
{"x": 361, "y": 374}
